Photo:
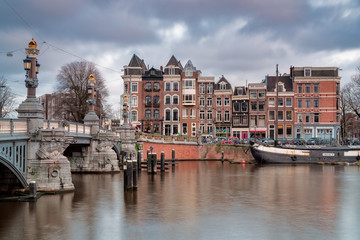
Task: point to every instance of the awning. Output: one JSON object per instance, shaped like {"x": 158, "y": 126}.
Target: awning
{"x": 260, "y": 131}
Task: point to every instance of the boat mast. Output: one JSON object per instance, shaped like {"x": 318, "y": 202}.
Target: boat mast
{"x": 276, "y": 106}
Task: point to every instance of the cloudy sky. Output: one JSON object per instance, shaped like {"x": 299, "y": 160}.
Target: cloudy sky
{"x": 240, "y": 39}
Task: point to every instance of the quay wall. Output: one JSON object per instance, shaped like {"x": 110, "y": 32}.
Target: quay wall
{"x": 232, "y": 153}
{"x": 182, "y": 151}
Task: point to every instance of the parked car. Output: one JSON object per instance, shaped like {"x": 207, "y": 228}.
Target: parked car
{"x": 314, "y": 141}
{"x": 298, "y": 141}
{"x": 282, "y": 141}
{"x": 267, "y": 141}
{"x": 248, "y": 140}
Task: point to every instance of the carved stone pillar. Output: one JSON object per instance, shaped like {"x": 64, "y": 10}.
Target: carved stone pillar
{"x": 46, "y": 164}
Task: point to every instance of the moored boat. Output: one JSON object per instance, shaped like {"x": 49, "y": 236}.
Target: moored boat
{"x": 304, "y": 154}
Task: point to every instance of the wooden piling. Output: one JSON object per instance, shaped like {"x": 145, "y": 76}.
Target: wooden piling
{"x": 173, "y": 158}
{"x": 128, "y": 175}
{"x": 162, "y": 162}
{"x": 135, "y": 174}
{"x": 139, "y": 161}
{"x": 152, "y": 163}
{"x": 222, "y": 157}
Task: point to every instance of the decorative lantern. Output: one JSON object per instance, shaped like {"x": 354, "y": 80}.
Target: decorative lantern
{"x": 27, "y": 63}
{"x": 37, "y": 67}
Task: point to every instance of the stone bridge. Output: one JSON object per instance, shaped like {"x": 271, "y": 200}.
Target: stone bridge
{"x": 34, "y": 149}
{"x": 49, "y": 154}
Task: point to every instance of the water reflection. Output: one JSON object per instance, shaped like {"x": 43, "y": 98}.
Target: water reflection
{"x": 199, "y": 200}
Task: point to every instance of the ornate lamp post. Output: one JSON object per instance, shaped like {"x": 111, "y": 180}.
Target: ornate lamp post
{"x": 91, "y": 118}
{"x": 91, "y": 92}
{"x": 125, "y": 115}
{"x": 31, "y": 107}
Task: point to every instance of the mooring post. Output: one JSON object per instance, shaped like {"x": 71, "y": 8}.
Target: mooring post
{"x": 32, "y": 189}
{"x": 139, "y": 161}
{"x": 162, "y": 161}
{"x": 128, "y": 175}
{"x": 135, "y": 174}
{"x": 153, "y": 162}
{"x": 173, "y": 158}
{"x": 148, "y": 161}
{"x": 222, "y": 156}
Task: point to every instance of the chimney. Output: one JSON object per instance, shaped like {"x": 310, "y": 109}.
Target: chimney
{"x": 161, "y": 68}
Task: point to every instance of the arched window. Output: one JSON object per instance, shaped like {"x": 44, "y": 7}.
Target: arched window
{"x": 134, "y": 101}
{"x": 175, "y": 99}
{"x": 167, "y": 99}
{"x": 134, "y": 115}
{"x": 175, "y": 115}
{"x": 167, "y": 115}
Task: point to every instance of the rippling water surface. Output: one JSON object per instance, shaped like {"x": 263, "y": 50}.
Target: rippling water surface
{"x": 199, "y": 200}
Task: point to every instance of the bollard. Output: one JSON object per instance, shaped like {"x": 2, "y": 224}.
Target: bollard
{"x": 32, "y": 189}
{"x": 135, "y": 174}
{"x": 154, "y": 163}
{"x": 222, "y": 157}
{"x": 162, "y": 162}
{"x": 128, "y": 175}
{"x": 139, "y": 161}
{"x": 173, "y": 158}
{"x": 148, "y": 162}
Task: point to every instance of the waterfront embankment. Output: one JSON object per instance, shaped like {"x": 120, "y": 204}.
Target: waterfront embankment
{"x": 192, "y": 151}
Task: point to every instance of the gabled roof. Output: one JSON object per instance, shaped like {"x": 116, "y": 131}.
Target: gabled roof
{"x": 189, "y": 65}
{"x": 174, "y": 62}
{"x": 136, "y": 62}
{"x": 221, "y": 80}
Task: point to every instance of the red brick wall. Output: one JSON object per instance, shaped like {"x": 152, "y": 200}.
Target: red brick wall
{"x": 194, "y": 152}
{"x": 182, "y": 151}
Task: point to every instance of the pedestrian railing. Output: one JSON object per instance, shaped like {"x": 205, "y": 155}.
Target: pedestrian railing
{"x": 71, "y": 127}
{"x": 13, "y": 126}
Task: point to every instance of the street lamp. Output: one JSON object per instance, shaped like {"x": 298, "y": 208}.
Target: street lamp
{"x": 27, "y": 63}
{"x": 37, "y": 67}
{"x": 91, "y": 92}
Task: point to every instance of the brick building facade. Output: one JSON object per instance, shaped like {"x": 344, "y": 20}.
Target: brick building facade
{"x": 179, "y": 100}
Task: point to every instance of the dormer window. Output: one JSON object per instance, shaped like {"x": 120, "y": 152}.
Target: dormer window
{"x": 188, "y": 73}
{"x": 222, "y": 86}
{"x": 281, "y": 87}
{"x": 172, "y": 71}
{"x": 307, "y": 72}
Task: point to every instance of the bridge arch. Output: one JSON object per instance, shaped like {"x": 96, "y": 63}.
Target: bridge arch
{"x": 19, "y": 176}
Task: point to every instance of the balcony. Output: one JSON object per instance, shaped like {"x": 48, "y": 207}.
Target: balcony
{"x": 156, "y": 105}
{"x": 147, "y": 104}
{"x": 148, "y": 89}
{"x": 156, "y": 90}
{"x": 189, "y": 102}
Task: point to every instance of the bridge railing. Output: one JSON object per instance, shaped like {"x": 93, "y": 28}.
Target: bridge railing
{"x": 73, "y": 127}
{"x": 13, "y": 126}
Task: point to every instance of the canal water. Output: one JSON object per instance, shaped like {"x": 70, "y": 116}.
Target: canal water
{"x": 199, "y": 200}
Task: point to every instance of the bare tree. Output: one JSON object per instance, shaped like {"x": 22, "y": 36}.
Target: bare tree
{"x": 72, "y": 85}
{"x": 344, "y": 109}
{"x": 352, "y": 93}
{"x": 7, "y": 98}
